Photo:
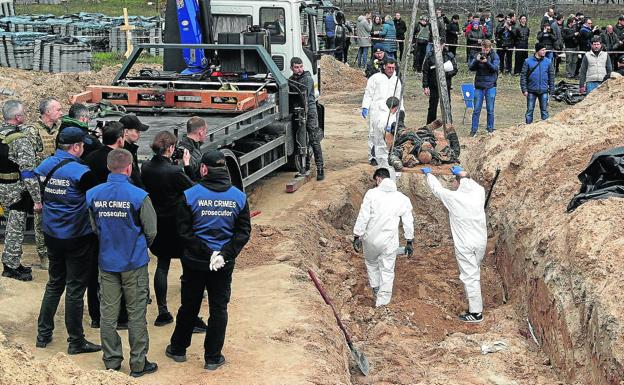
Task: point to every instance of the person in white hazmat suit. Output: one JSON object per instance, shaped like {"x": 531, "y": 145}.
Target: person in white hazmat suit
{"x": 468, "y": 227}
{"x": 380, "y": 124}
{"x": 377, "y": 232}
{"x": 379, "y": 88}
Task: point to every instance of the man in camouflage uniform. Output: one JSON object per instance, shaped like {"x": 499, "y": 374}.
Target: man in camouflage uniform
{"x": 19, "y": 187}
{"x": 44, "y": 135}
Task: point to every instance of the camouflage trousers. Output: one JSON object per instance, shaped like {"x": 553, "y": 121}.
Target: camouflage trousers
{"x": 15, "y": 224}
{"x": 42, "y": 251}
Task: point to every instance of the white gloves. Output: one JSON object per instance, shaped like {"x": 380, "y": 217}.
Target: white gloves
{"x": 216, "y": 261}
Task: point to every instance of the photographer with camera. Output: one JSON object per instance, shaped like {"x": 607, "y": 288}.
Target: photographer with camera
{"x": 485, "y": 65}
{"x": 165, "y": 182}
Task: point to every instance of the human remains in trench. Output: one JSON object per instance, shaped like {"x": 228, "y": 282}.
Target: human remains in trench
{"x": 377, "y": 232}
{"x": 466, "y": 207}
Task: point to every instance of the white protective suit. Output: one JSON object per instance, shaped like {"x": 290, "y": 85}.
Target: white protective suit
{"x": 378, "y": 89}
{"x": 468, "y": 226}
{"x": 379, "y": 123}
{"x": 378, "y": 226}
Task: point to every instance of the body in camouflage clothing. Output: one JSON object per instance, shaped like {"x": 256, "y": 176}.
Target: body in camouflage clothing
{"x": 441, "y": 147}
{"x": 44, "y": 141}
{"x": 15, "y": 187}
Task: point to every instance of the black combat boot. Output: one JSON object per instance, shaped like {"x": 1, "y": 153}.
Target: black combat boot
{"x": 320, "y": 174}
{"x": 19, "y": 274}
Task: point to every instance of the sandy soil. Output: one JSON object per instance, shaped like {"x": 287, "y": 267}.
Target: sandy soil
{"x": 280, "y": 330}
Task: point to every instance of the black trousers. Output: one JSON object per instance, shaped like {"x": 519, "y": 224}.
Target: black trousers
{"x": 434, "y": 100}
{"x": 519, "y": 62}
{"x": 93, "y": 289}
{"x": 419, "y": 55}
{"x": 401, "y": 47}
{"x": 71, "y": 262}
{"x": 218, "y": 285}
{"x": 453, "y": 48}
{"x": 160, "y": 283}
{"x": 505, "y": 56}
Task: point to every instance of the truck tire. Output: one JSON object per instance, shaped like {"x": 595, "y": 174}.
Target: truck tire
{"x": 231, "y": 162}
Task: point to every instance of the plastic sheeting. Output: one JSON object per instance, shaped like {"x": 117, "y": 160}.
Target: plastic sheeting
{"x": 603, "y": 177}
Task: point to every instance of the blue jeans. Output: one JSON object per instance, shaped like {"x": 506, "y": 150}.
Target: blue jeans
{"x": 490, "y": 96}
{"x": 543, "y": 102}
{"x": 590, "y": 86}
{"x": 362, "y": 58}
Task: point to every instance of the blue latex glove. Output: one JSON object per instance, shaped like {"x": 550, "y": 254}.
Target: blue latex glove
{"x": 426, "y": 170}
{"x": 455, "y": 170}
{"x": 364, "y": 112}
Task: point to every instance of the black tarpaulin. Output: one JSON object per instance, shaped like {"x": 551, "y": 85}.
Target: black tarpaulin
{"x": 603, "y": 177}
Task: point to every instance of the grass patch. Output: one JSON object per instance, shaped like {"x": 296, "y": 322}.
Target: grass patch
{"x": 102, "y": 59}
{"x": 107, "y": 7}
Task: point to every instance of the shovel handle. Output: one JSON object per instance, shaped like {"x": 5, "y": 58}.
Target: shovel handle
{"x": 328, "y": 301}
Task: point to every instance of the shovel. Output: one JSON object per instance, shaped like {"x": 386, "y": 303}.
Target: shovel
{"x": 359, "y": 358}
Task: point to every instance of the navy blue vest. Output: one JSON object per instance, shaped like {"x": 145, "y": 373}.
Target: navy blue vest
{"x": 116, "y": 206}
{"x": 65, "y": 213}
{"x": 214, "y": 213}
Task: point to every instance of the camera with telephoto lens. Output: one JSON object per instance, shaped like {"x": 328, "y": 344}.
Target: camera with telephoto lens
{"x": 178, "y": 152}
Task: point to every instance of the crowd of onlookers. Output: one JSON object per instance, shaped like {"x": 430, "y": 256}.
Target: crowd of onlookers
{"x": 562, "y": 36}
{"x": 591, "y": 54}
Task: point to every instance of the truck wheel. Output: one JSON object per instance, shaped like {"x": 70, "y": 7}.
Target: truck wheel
{"x": 295, "y": 161}
{"x": 231, "y": 163}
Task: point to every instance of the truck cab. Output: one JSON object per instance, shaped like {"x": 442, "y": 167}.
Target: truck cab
{"x": 291, "y": 25}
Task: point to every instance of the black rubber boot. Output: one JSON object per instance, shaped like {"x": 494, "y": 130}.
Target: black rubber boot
{"x": 320, "y": 174}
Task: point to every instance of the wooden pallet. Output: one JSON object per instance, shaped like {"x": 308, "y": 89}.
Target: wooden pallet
{"x": 172, "y": 98}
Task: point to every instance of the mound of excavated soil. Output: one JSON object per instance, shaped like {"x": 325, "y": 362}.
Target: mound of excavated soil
{"x": 568, "y": 266}
{"x": 31, "y": 86}
{"x": 18, "y": 367}
{"x": 339, "y": 77}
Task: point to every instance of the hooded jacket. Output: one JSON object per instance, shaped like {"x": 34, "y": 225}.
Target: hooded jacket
{"x": 388, "y": 33}
{"x": 363, "y": 32}
{"x": 378, "y": 219}
{"x": 231, "y": 236}
{"x": 466, "y": 212}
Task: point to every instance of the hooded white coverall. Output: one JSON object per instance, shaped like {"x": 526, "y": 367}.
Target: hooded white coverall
{"x": 468, "y": 227}
{"x": 378, "y": 89}
{"x": 378, "y": 125}
{"x": 378, "y": 226}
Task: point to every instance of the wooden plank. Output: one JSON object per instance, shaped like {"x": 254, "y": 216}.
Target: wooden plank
{"x": 297, "y": 182}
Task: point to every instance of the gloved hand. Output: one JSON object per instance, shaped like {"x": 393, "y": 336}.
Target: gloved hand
{"x": 216, "y": 261}
{"x": 357, "y": 244}
{"x": 364, "y": 112}
{"x": 455, "y": 170}
{"x": 409, "y": 248}
{"x": 426, "y": 170}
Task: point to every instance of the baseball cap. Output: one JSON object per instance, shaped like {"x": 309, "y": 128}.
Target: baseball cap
{"x": 131, "y": 121}
{"x": 71, "y": 135}
{"x": 213, "y": 158}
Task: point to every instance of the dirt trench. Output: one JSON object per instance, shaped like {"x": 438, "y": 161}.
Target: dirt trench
{"x": 566, "y": 265}
{"x": 416, "y": 339}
